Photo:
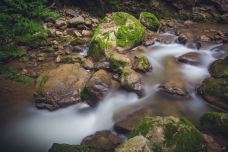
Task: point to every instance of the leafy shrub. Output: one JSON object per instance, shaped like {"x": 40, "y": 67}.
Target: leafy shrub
{"x": 18, "y": 26}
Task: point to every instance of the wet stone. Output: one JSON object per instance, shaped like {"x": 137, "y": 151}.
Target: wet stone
{"x": 103, "y": 141}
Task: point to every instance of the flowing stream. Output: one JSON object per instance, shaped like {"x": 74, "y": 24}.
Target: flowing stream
{"x": 36, "y": 130}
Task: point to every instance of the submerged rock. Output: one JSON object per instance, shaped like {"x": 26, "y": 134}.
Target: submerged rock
{"x": 136, "y": 144}
{"x": 214, "y": 91}
{"x": 175, "y": 82}
{"x": 215, "y": 122}
{"x": 118, "y": 32}
{"x": 61, "y": 86}
{"x": 193, "y": 58}
{"x": 169, "y": 134}
{"x": 103, "y": 141}
{"x": 70, "y": 148}
{"x": 149, "y": 20}
{"x": 132, "y": 80}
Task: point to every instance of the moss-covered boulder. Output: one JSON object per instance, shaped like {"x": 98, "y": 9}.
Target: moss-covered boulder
{"x": 149, "y": 20}
{"x": 70, "y": 148}
{"x": 219, "y": 69}
{"x": 215, "y": 122}
{"x": 215, "y": 91}
{"x": 117, "y": 32}
{"x": 142, "y": 64}
{"x": 169, "y": 134}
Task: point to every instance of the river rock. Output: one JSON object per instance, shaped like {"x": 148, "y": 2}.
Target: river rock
{"x": 61, "y": 86}
{"x": 60, "y": 23}
{"x": 215, "y": 122}
{"x": 119, "y": 32}
{"x": 193, "y": 58}
{"x": 119, "y": 61}
{"x": 76, "y": 21}
{"x": 214, "y": 91}
{"x": 98, "y": 87}
{"x": 175, "y": 82}
{"x": 169, "y": 134}
{"x": 70, "y": 148}
{"x": 142, "y": 64}
{"x": 211, "y": 144}
{"x": 219, "y": 69}
{"x": 103, "y": 141}
{"x": 127, "y": 124}
{"x": 149, "y": 20}
{"x": 220, "y": 51}
{"x": 136, "y": 144}
{"x": 132, "y": 81}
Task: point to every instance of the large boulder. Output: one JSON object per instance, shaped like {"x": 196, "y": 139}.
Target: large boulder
{"x": 215, "y": 122}
{"x": 70, "y": 148}
{"x": 119, "y": 31}
{"x": 98, "y": 87}
{"x": 149, "y": 20}
{"x": 214, "y": 91}
{"x": 61, "y": 86}
{"x": 103, "y": 141}
{"x": 169, "y": 134}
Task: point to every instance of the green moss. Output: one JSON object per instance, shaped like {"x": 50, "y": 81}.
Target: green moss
{"x": 219, "y": 69}
{"x": 142, "y": 128}
{"x": 130, "y": 30}
{"x": 142, "y": 64}
{"x": 41, "y": 90}
{"x": 70, "y": 148}
{"x": 117, "y": 30}
{"x": 149, "y": 20}
{"x": 117, "y": 65}
{"x": 84, "y": 94}
{"x": 215, "y": 122}
{"x": 179, "y": 134}
{"x": 15, "y": 74}
{"x": 216, "y": 87}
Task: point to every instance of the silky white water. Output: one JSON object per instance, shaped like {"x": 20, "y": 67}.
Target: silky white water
{"x": 36, "y": 130}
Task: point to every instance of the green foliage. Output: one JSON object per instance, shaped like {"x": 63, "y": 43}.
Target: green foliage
{"x": 14, "y": 74}
{"x": 41, "y": 90}
{"x": 17, "y": 24}
{"x": 70, "y": 148}
{"x": 215, "y": 122}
